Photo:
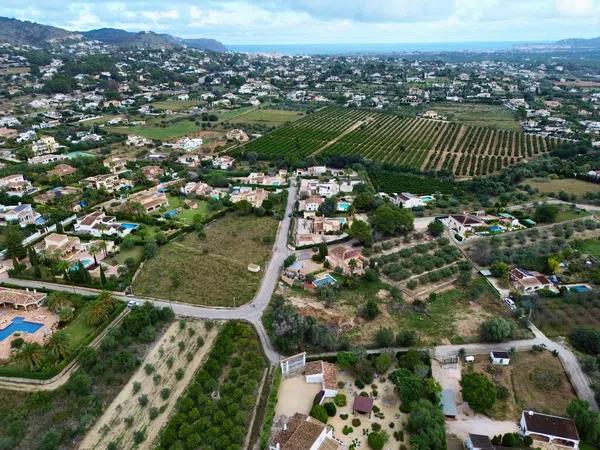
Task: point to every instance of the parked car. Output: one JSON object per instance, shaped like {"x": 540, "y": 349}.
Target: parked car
{"x": 510, "y": 303}
{"x": 133, "y": 304}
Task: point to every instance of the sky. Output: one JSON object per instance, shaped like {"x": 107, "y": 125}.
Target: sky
{"x": 324, "y": 21}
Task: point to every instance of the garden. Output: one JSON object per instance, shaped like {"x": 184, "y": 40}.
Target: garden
{"x": 217, "y": 406}
{"x": 60, "y": 418}
{"x": 210, "y": 266}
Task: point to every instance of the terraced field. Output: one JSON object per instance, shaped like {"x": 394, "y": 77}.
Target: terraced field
{"x": 404, "y": 141}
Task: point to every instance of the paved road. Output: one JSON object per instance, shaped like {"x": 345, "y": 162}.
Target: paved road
{"x": 555, "y": 201}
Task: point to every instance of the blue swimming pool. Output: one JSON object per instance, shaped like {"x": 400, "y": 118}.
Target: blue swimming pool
{"x": 343, "y": 206}
{"x": 129, "y": 226}
{"x": 19, "y": 324}
{"x": 579, "y": 289}
{"x": 496, "y": 229}
{"x": 324, "y": 281}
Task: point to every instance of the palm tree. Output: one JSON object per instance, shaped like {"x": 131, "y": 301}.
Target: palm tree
{"x": 31, "y": 356}
{"x": 102, "y": 246}
{"x": 62, "y": 266}
{"x": 94, "y": 250}
{"x": 101, "y": 309}
{"x": 58, "y": 345}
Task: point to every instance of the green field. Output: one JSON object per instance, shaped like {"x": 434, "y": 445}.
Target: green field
{"x": 410, "y": 142}
{"x": 477, "y": 114}
{"x": 175, "y": 105}
{"x": 271, "y": 117}
{"x": 213, "y": 270}
{"x": 588, "y": 247}
{"x": 171, "y": 131}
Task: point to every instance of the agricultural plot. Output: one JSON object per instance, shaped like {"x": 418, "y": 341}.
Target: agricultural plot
{"x": 403, "y": 141}
{"x": 393, "y": 182}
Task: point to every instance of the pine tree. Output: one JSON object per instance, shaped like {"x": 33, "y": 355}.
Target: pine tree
{"x": 102, "y": 275}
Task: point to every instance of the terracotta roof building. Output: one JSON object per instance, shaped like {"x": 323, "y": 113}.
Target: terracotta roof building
{"x": 305, "y": 433}
{"x": 18, "y": 297}
{"x": 324, "y": 373}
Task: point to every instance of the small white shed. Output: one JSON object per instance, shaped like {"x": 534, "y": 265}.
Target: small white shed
{"x": 500, "y": 358}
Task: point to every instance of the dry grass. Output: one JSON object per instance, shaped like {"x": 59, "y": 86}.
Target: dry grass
{"x": 524, "y": 392}
{"x": 572, "y": 186}
{"x": 212, "y": 271}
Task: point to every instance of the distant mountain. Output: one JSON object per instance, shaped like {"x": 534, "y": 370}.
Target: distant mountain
{"x": 21, "y": 32}
{"x": 122, "y": 38}
{"x": 582, "y": 43}
{"x": 205, "y": 44}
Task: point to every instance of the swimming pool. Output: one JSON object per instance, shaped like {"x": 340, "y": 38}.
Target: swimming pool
{"x": 324, "y": 281}
{"x": 19, "y": 324}
{"x": 496, "y": 229}
{"x": 129, "y": 226}
{"x": 86, "y": 263}
{"x": 427, "y": 198}
{"x": 343, "y": 206}
{"x": 579, "y": 289}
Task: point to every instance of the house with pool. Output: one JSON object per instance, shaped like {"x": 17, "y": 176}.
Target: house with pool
{"x": 22, "y": 315}
{"x": 99, "y": 224}
{"x": 72, "y": 250}
{"x": 347, "y": 258}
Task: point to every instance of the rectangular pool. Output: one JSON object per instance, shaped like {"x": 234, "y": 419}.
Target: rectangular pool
{"x": 325, "y": 281}
{"x": 579, "y": 289}
{"x": 19, "y": 324}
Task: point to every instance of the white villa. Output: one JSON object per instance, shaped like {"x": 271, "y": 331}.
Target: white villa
{"x": 553, "y": 429}
{"x": 98, "y": 224}
{"x": 22, "y": 214}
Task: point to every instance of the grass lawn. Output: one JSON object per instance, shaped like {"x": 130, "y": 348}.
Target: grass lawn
{"x": 477, "y": 114}
{"x": 272, "y": 117}
{"x": 572, "y": 186}
{"x": 136, "y": 252}
{"x": 228, "y": 114}
{"x": 588, "y": 247}
{"x": 212, "y": 271}
{"x": 175, "y": 105}
{"x": 567, "y": 213}
{"x": 186, "y": 215}
{"x": 535, "y": 381}
{"x": 171, "y": 131}
{"x": 99, "y": 120}
{"x": 78, "y": 329}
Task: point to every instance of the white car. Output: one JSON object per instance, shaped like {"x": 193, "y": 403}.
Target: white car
{"x": 510, "y": 303}
{"x": 133, "y": 304}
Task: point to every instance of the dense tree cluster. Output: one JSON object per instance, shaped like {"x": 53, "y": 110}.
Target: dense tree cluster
{"x": 233, "y": 370}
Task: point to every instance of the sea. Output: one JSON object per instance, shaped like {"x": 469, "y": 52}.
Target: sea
{"x": 350, "y": 49}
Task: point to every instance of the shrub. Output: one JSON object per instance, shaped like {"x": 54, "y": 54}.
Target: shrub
{"x": 347, "y": 430}
{"x": 330, "y": 409}
{"x": 156, "y": 379}
{"x": 376, "y": 426}
{"x": 143, "y": 400}
{"x": 139, "y": 436}
{"x": 319, "y": 413}
{"x": 148, "y": 368}
{"x": 340, "y": 400}
{"x": 128, "y": 421}
{"x": 478, "y": 391}
{"x": 406, "y": 338}
{"x": 164, "y": 393}
{"x": 136, "y": 387}
{"x": 153, "y": 413}
{"x": 497, "y": 330}
{"x": 377, "y": 440}
{"x": 359, "y": 384}
{"x": 356, "y": 422}
{"x": 170, "y": 361}
{"x": 502, "y": 392}
{"x": 343, "y": 416}
{"x": 179, "y": 374}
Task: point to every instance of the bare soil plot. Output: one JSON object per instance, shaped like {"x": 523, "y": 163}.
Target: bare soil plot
{"x": 295, "y": 396}
{"x": 272, "y": 117}
{"x": 213, "y": 270}
{"x": 534, "y": 380}
{"x": 113, "y": 426}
